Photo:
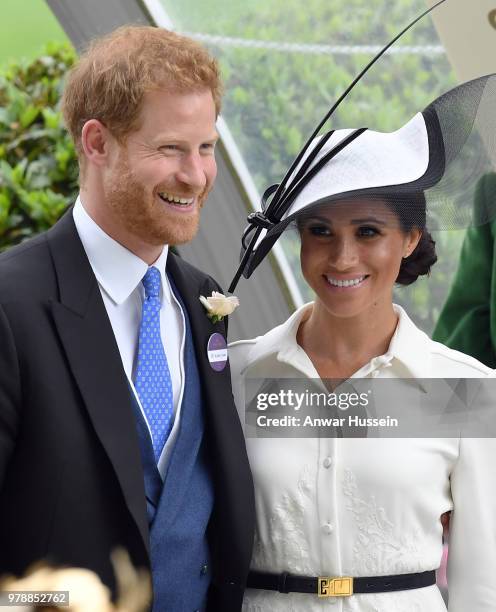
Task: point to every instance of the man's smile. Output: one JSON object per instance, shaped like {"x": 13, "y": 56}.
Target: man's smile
{"x": 175, "y": 199}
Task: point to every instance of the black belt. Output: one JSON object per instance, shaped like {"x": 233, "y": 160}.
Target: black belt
{"x": 341, "y": 586}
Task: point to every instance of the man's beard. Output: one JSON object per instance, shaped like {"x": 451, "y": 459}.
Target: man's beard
{"x": 142, "y": 214}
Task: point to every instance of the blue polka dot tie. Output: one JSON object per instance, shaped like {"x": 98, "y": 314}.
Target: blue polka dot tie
{"x": 152, "y": 376}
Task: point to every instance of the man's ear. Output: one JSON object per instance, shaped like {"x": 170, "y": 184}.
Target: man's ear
{"x": 95, "y": 142}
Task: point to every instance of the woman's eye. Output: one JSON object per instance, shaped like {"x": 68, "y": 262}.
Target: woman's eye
{"x": 319, "y": 230}
{"x": 368, "y": 231}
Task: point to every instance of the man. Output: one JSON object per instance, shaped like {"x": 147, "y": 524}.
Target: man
{"x": 468, "y": 319}
{"x": 115, "y": 430}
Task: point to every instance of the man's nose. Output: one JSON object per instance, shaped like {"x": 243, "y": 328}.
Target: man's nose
{"x": 344, "y": 253}
{"x": 192, "y": 171}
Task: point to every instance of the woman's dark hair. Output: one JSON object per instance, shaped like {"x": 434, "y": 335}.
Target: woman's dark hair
{"x": 411, "y": 211}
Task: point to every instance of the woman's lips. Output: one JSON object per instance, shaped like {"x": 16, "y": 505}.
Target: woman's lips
{"x": 346, "y": 284}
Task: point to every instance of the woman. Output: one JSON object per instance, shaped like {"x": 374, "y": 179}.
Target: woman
{"x": 365, "y": 507}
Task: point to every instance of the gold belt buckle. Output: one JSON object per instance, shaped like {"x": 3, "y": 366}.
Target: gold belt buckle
{"x": 335, "y": 587}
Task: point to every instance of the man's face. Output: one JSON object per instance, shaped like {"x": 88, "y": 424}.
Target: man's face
{"x": 157, "y": 181}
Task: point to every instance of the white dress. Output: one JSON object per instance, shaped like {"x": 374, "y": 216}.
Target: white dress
{"x": 370, "y": 507}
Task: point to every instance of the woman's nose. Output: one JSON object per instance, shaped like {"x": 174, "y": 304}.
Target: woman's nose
{"x": 344, "y": 253}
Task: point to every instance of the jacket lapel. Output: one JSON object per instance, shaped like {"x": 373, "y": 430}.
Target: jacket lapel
{"x": 214, "y": 384}
{"x": 89, "y": 343}
{"x": 234, "y": 498}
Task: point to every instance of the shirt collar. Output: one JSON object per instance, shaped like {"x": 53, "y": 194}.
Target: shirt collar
{"x": 118, "y": 271}
{"x": 409, "y": 345}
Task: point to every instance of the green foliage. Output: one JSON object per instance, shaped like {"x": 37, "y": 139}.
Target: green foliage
{"x": 38, "y": 166}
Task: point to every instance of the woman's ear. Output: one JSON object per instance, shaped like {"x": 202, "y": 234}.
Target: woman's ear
{"x": 412, "y": 239}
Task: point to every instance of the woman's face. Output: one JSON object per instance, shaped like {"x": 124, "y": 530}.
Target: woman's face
{"x": 351, "y": 254}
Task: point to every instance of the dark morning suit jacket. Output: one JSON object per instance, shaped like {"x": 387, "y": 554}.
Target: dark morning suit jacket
{"x": 71, "y": 479}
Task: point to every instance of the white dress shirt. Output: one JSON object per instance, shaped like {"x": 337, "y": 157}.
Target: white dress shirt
{"x": 119, "y": 274}
{"x": 370, "y": 506}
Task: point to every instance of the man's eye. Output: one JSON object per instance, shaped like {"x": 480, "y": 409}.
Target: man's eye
{"x": 169, "y": 148}
{"x": 208, "y": 146}
{"x": 368, "y": 231}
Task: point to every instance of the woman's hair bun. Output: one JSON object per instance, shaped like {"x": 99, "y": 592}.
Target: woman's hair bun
{"x": 419, "y": 262}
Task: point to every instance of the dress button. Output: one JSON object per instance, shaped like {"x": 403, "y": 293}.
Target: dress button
{"x": 327, "y": 528}
{"x": 327, "y": 462}
{"x": 204, "y": 570}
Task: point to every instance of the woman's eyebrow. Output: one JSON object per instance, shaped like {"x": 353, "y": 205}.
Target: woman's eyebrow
{"x": 317, "y": 218}
{"x": 368, "y": 220}
{"x": 353, "y": 221}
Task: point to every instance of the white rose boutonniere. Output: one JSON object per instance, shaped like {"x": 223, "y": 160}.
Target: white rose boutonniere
{"x": 219, "y": 305}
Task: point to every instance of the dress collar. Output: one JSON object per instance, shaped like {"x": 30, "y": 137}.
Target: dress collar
{"x": 409, "y": 345}
{"x": 118, "y": 271}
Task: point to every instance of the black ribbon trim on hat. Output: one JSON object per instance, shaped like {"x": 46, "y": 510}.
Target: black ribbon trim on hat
{"x": 298, "y": 186}
{"x": 257, "y": 221}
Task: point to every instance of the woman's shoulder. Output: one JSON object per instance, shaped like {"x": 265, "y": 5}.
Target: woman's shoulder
{"x": 243, "y": 353}
{"x": 239, "y": 352}
{"x": 457, "y": 363}
{"x": 431, "y": 359}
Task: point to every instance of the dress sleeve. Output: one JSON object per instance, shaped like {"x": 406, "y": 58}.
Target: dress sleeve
{"x": 466, "y": 319}
{"x": 472, "y": 543}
